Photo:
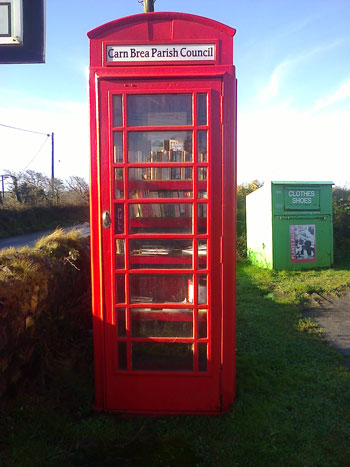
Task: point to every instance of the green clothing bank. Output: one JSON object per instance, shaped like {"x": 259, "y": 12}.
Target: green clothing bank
{"x": 290, "y": 225}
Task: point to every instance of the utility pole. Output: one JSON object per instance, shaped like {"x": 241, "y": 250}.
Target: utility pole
{"x": 148, "y": 6}
{"x": 2, "y": 193}
{"x": 52, "y": 157}
{"x": 2, "y": 197}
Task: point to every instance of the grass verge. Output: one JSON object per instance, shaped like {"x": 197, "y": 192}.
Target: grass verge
{"x": 292, "y": 406}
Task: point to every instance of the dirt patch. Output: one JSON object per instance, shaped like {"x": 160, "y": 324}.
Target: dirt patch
{"x": 333, "y": 316}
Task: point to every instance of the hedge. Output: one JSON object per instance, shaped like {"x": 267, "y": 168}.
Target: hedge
{"x": 30, "y": 219}
{"x": 44, "y": 303}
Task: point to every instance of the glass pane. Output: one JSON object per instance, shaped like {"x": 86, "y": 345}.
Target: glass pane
{"x": 202, "y": 254}
{"x": 190, "y": 294}
{"x": 160, "y": 110}
{"x": 160, "y": 146}
{"x": 161, "y": 322}
{"x": 120, "y": 253}
{"x": 202, "y": 323}
{"x": 119, "y": 183}
{"x": 118, "y": 219}
{"x": 120, "y": 288}
{"x": 202, "y": 182}
{"x": 202, "y": 218}
{"x": 202, "y": 146}
{"x": 151, "y": 191}
{"x": 117, "y": 111}
{"x": 161, "y": 254}
{"x": 202, "y": 357}
{"x": 142, "y": 173}
{"x": 202, "y": 109}
{"x": 160, "y": 288}
{"x": 118, "y": 147}
{"x": 202, "y": 174}
{"x": 202, "y": 289}
{"x": 122, "y": 356}
{"x": 160, "y": 173}
{"x": 121, "y": 322}
{"x": 162, "y": 356}
{"x": 160, "y": 218}
{"x": 148, "y": 182}
{"x": 119, "y": 174}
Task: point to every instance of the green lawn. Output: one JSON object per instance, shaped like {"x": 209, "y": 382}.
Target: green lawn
{"x": 292, "y": 406}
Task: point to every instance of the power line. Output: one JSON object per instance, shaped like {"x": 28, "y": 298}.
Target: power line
{"x": 37, "y": 133}
{"x": 22, "y": 129}
{"x": 36, "y": 154}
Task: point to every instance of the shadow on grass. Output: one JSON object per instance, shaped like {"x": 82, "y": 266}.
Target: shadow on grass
{"x": 292, "y": 406}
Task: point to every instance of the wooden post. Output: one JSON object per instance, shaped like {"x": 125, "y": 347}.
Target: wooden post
{"x": 2, "y": 197}
{"x": 52, "y": 161}
{"x": 148, "y": 6}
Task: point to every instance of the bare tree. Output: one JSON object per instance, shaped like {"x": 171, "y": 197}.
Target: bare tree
{"x": 14, "y": 185}
{"x": 32, "y": 187}
{"x": 36, "y": 179}
{"x": 79, "y": 186}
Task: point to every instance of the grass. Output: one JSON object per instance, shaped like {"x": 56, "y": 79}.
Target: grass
{"x": 292, "y": 406}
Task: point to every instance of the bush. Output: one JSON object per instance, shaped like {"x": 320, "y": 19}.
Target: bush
{"x": 341, "y": 223}
{"x": 44, "y": 294}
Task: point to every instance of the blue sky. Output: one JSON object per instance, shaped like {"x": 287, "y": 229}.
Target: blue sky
{"x": 293, "y": 67}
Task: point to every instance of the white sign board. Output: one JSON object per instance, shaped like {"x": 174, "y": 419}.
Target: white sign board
{"x": 161, "y": 53}
{"x": 11, "y": 22}
{"x": 5, "y": 19}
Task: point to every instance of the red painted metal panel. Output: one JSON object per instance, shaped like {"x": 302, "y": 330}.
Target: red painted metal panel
{"x": 143, "y": 21}
{"x": 229, "y": 240}
{"x": 124, "y": 380}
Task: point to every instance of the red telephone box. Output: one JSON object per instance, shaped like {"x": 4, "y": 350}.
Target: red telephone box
{"x": 163, "y": 184}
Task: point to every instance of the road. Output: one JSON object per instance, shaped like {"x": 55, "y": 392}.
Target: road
{"x": 30, "y": 239}
{"x": 333, "y": 316}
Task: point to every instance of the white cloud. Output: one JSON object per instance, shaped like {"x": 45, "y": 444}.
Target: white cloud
{"x": 282, "y": 144}
{"x": 278, "y": 142}
{"x": 282, "y": 71}
{"x": 342, "y": 93}
{"x": 271, "y": 90}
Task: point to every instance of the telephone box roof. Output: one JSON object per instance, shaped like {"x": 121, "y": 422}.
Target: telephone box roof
{"x": 111, "y": 26}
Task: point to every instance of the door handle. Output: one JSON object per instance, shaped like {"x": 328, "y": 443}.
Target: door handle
{"x": 106, "y": 219}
